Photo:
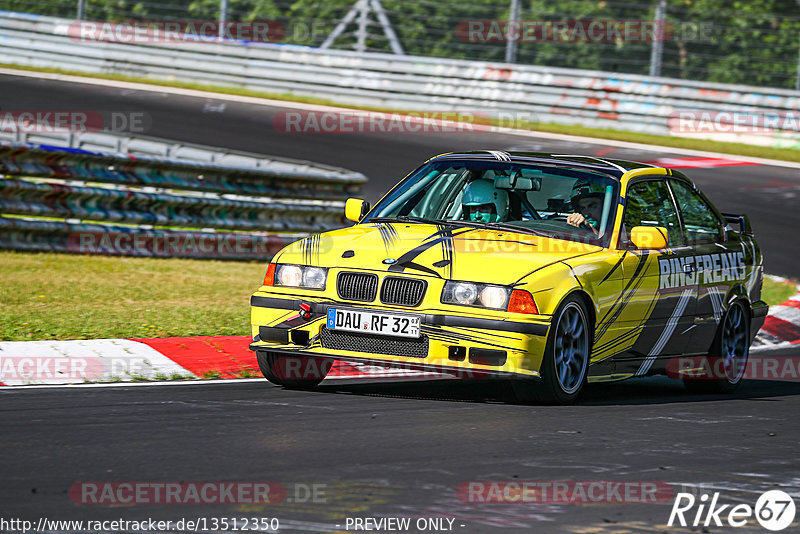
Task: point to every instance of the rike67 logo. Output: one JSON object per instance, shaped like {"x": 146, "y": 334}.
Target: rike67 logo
{"x": 774, "y": 510}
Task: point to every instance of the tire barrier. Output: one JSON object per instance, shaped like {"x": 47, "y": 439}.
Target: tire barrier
{"x": 22, "y": 197}
{"x": 83, "y": 238}
{"x": 42, "y": 161}
{"x": 87, "y": 202}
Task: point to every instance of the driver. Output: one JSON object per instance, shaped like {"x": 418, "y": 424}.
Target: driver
{"x": 587, "y": 201}
{"x": 483, "y": 202}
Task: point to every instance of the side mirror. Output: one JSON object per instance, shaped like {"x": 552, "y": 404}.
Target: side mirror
{"x": 355, "y": 209}
{"x": 649, "y": 237}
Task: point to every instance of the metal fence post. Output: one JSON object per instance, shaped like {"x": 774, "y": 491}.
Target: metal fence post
{"x": 223, "y": 17}
{"x": 512, "y": 44}
{"x": 658, "y": 40}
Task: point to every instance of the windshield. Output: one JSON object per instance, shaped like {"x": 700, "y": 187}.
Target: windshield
{"x": 540, "y": 199}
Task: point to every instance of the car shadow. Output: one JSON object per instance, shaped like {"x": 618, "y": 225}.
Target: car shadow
{"x": 638, "y": 391}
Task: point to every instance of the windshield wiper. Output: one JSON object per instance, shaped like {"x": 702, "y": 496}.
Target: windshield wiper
{"x": 520, "y": 229}
{"x": 410, "y": 218}
{"x": 503, "y": 226}
{"x": 460, "y": 223}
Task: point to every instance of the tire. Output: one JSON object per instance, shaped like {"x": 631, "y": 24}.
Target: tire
{"x": 566, "y": 358}
{"x": 729, "y": 353}
{"x": 293, "y": 372}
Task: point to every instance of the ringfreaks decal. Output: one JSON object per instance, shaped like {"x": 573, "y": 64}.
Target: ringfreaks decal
{"x": 704, "y": 269}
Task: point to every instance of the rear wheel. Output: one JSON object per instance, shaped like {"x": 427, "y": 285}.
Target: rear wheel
{"x": 293, "y": 372}
{"x": 728, "y": 357}
{"x": 566, "y": 358}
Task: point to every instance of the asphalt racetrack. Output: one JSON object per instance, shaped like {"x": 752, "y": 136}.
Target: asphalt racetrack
{"x": 400, "y": 450}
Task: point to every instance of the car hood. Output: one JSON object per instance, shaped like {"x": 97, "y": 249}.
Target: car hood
{"x": 458, "y": 253}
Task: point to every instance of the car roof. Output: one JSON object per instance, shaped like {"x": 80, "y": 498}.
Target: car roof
{"x": 610, "y": 167}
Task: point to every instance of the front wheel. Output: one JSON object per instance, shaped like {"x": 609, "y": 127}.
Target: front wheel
{"x": 728, "y": 357}
{"x": 566, "y": 358}
{"x": 293, "y": 372}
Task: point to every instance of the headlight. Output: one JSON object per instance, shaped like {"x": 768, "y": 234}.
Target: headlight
{"x": 464, "y": 293}
{"x": 314, "y": 277}
{"x": 471, "y": 294}
{"x": 494, "y": 297}
{"x": 301, "y": 276}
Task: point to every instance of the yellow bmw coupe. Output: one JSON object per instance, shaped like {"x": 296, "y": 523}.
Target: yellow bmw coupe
{"x": 545, "y": 270}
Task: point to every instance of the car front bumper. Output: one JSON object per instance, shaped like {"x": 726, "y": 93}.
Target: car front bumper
{"x": 462, "y": 344}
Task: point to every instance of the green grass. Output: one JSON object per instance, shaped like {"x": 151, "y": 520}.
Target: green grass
{"x": 62, "y": 296}
{"x": 740, "y": 149}
{"x": 776, "y": 292}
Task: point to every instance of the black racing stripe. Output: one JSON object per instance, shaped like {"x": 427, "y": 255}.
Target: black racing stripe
{"x": 613, "y": 343}
{"x": 636, "y": 273}
{"x": 311, "y": 249}
{"x": 417, "y": 267}
{"x": 447, "y": 249}
{"x": 388, "y": 235}
{"x": 614, "y": 268}
{"x": 487, "y": 324}
{"x": 626, "y": 298}
{"x": 523, "y": 277}
{"x": 432, "y": 240}
{"x": 575, "y": 276}
{"x": 494, "y": 335}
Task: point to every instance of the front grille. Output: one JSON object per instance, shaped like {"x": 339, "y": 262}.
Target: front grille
{"x": 353, "y": 341}
{"x": 357, "y": 286}
{"x": 402, "y": 291}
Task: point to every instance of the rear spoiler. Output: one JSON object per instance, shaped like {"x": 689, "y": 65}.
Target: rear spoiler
{"x": 742, "y": 220}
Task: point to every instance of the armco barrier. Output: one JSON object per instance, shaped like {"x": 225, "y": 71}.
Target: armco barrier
{"x": 81, "y": 201}
{"x": 589, "y": 98}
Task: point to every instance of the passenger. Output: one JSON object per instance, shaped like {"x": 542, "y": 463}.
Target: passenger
{"x": 483, "y": 202}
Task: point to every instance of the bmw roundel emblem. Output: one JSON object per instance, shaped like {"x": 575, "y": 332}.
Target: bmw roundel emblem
{"x": 389, "y": 261}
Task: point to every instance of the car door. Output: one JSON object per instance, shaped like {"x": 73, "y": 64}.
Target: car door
{"x": 658, "y": 285}
{"x": 719, "y": 263}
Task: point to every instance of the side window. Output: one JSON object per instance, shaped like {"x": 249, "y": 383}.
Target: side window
{"x": 700, "y": 223}
{"x": 649, "y": 203}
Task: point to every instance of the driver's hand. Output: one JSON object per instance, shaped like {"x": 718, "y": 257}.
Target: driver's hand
{"x": 576, "y": 219}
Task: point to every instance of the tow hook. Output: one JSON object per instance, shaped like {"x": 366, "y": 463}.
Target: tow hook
{"x": 305, "y": 310}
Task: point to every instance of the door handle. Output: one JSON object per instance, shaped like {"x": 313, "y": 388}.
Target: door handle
{"x": 688, "y": 267}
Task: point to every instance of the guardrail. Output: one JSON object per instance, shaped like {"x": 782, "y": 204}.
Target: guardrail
{"x": 77, "y": 200}
{"x": 589, "y": 98}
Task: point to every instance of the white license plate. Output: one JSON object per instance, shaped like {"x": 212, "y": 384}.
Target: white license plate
{"x": 373, "y": 323}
